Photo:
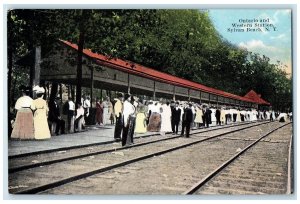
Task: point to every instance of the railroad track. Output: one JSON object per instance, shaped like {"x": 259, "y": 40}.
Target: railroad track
{"x": 111, "y": 142}
{"x": 255, "y": 169}
{"x": 33, "y": 160}
{"x": 36, "y": 177}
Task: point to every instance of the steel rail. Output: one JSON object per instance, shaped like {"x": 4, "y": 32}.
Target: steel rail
{"x": 198, "y": 185}
{"x": 108, "y": 142}
{"x": 30, "y": 166}
{"x": 121, "y": 164}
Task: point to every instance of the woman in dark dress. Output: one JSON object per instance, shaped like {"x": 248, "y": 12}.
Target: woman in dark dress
{"x": 99, "y": 112}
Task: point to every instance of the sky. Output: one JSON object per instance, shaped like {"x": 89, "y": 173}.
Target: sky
{"x": 269, "y": 31}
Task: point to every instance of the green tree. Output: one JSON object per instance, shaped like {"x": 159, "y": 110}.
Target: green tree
{"x": 180, "y": 42}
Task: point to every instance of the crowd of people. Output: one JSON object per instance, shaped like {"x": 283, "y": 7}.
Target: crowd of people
{"x": 37, "y": 119}
{"x": 141, "y": 116}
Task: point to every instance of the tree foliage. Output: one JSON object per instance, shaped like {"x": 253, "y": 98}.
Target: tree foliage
{"x": 180, "y": 42}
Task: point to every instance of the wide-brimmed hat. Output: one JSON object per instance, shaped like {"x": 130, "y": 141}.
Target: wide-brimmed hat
{"x": 38, "y": 89}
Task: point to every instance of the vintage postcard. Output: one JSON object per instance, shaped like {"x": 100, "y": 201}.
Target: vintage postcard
{"x": 188, "y": 101}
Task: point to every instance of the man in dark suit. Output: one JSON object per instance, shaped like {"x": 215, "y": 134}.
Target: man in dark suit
{"x": 54, "y": 116}
{"x": 207, "y": 116}
{"x": 175, "y": 118}
{"x": 172, "y": 106}
{"x": 218, "y": 116}
{"x": 187, "y": 119}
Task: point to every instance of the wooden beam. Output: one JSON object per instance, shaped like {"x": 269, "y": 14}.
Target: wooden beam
{"x": 128, "y": 84}
{"x": 200, "y": 97}
{"x": 37, "y": 66}
{"x": 174, "y": 97}
{"x": 154, "y": 91}
{"x": 92, "y": 85}
{"x": 35, "y": 71}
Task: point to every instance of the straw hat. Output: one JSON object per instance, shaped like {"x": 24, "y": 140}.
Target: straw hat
{"x": 38, "y": 89}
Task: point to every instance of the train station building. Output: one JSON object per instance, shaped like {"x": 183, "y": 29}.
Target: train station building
{"x": 104, "y": 73}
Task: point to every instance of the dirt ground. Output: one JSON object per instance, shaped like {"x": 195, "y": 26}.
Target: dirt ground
{"x": 168, "y": 174}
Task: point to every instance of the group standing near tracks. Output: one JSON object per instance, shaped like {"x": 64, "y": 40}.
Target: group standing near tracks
{"x": 157, "y": 164}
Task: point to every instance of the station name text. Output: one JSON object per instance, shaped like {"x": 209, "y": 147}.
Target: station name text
{"x": 252, "y": 25}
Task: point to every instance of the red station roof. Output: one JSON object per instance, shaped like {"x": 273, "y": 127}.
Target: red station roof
{"x": 133, "y": 68}
{"x": 256, "y": 98}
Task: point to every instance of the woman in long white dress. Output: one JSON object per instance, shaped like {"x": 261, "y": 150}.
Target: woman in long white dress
{"x": 140, "y": 121}
{"x": 238, "y": 117}
{"x": 223, "y": 116}
{"x": 199, "y": 116}
{"x": 40, "y": 108}
{"x": 107, "y": 111}
{"x": 253, "y": 116}
{"x": 166, "y": 119}
{"x": 213, "y": 116}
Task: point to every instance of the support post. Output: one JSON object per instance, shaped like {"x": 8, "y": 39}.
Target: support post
{"x": 128, "y": 85}
{"x": 174, "y": 98}
{"x": 154, "y": 90}
{"x": 37, "y": 66}
{"x": 35, "y": 70}
{"x": 92, "y": 85}
{"x": 200, "y": 97}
